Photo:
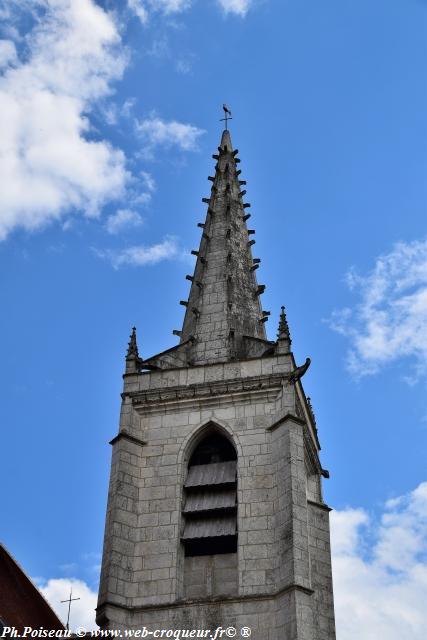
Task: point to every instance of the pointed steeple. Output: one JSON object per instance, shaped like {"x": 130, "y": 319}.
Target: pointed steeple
{"x": 283, "y": 335}
{"x": 132, "y": 356}
{"x": 224, "y": 318}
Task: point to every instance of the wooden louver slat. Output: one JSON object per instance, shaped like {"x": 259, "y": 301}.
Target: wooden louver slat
{"x": 211, "y": 474}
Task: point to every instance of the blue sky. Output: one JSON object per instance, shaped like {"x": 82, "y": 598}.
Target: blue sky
{"x": 109, "y": 114}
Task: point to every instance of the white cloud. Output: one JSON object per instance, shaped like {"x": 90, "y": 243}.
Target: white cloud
{"x": 123, "y": 219}
{"x": 8, "y": 55}
{"x": 389, "y": 320}
{"x": 112, "y": 112}
{"x": 183, "y": 66}
{"x": 48, "y": 163}
{"x": 138, "y": 8}
{"x": 346, "y": 529}
{"x": 68, "y": 567}
{"x": 93, "y": 560}
{"x": 127, "y": 107}
{"x": 142, "y": 8}
{"x": 148, "y": 181}
{"x": 82, "y": 611}
{"x": 159, "y": 48}
{"x": 170, "y": 6}
{"x": 380, "y": 570}
{"x": 141, "y": 255}
{"x": 156, "y": 132}
{"x": 128, "y": 218}
{"x": 239, "y": 7}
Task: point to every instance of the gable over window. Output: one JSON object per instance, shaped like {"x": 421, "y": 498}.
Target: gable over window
{"x": 210, "y": 508}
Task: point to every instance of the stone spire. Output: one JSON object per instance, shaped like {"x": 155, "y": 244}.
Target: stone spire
{"x": 224, "y": 319}
{"x": 132, "y": 356}
{"x": 283, "y": 335}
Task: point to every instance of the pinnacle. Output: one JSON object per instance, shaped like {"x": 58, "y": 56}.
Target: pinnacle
{"x": 283, "y": 333}
{"x": 133, "y": 361}
{"x": 132, "y": 352}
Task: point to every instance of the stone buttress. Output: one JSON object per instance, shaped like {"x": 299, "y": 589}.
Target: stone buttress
{"x": 215, "y": 512}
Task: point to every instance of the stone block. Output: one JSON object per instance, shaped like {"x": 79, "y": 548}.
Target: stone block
{"x": 157, "y": 561}
{"x": 253, "y": 578}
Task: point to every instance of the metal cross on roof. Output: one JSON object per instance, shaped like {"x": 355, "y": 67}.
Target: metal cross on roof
{"x": 69, "y": 600}
{"x": 227, "y": 114}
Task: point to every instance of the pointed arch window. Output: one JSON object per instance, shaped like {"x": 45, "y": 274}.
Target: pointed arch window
{"x": 210, "y": 507}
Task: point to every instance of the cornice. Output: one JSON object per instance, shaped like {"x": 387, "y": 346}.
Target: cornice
{"x": 178, "y": 604}
{"x": 259, "y": 388}
{"x": 319, "y": 505}
{"x": 309, "y": 446}
{"x": 124, "y": 435}
{"x": 287, "y": 417}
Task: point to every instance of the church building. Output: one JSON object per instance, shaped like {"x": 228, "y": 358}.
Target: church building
{"x": 215, "y": 512}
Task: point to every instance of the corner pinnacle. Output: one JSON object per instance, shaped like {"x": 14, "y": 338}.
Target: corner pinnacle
{"x": 283, "y": 335}
{"x": 283, "y": 332}
{"x": 132, "y": 356}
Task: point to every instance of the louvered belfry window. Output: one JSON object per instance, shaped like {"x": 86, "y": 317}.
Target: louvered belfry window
{"x": 210, "y": 508}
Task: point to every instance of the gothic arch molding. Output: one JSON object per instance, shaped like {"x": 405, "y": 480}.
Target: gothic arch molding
{"x": 200, "y": 431}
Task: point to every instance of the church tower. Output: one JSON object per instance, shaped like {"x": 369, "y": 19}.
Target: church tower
{"x": 215, "y": 513}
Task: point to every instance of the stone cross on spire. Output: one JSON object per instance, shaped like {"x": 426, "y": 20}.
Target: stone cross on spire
{"x": 227, "y": 116}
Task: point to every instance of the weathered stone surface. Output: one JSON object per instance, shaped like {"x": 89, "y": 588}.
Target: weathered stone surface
{"x": 279, "y": 581}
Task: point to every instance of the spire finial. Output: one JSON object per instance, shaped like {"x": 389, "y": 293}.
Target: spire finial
{"x": 227, "y": 114}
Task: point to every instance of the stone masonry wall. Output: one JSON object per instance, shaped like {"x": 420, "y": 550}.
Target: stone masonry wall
{"x": 164, "y": 414}
{"x": 211, "y": 576}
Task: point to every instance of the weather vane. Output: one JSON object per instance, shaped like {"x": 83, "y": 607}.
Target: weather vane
{"x": 69, "y": 600}
{"x": 227, "y": 114}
